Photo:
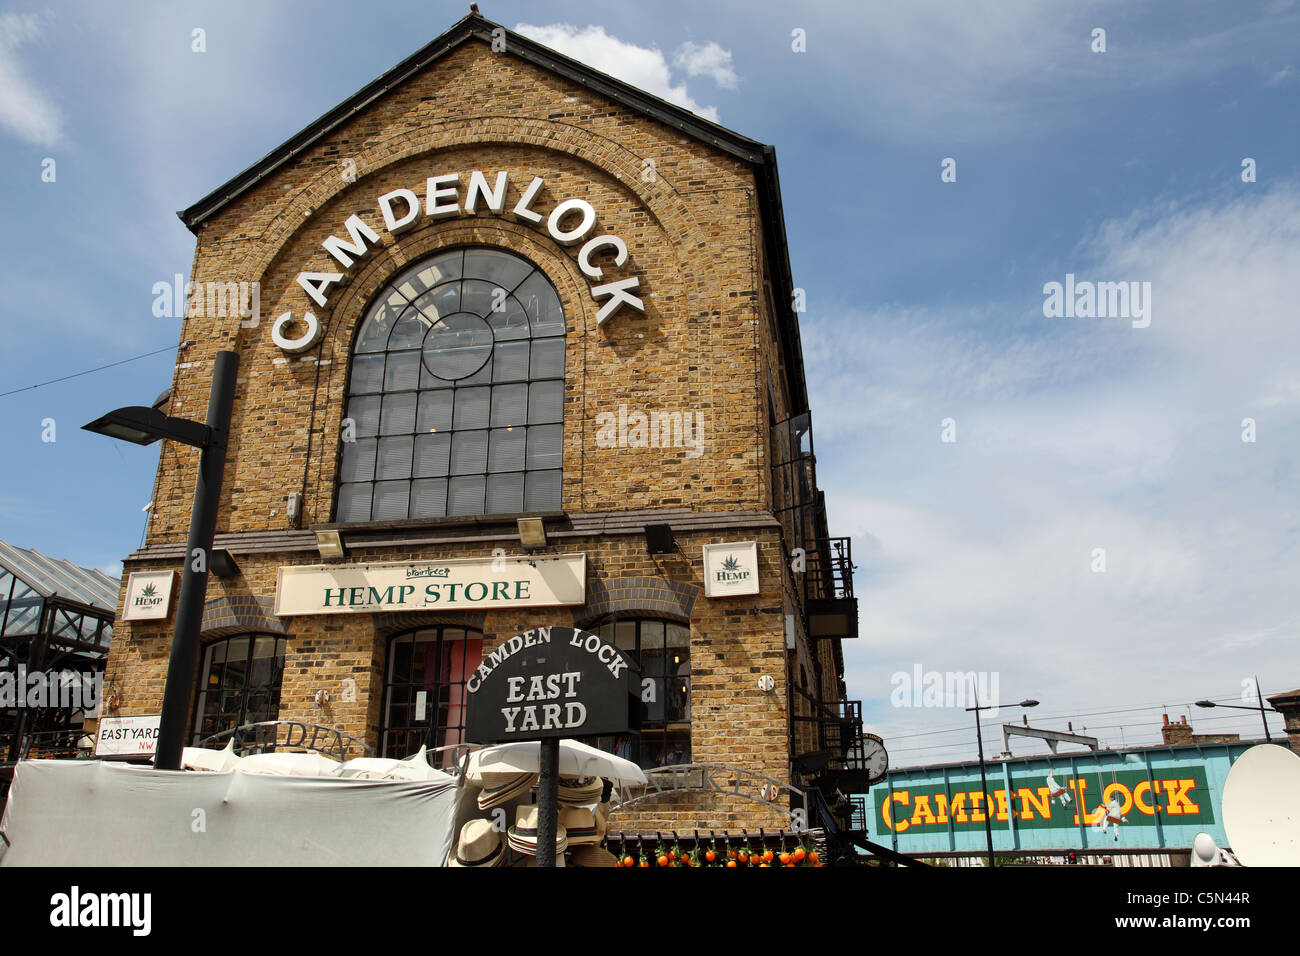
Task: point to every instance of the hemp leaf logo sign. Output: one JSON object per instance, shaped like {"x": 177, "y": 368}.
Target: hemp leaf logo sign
{"x": 149, "y": 591}
{"x": 731, "y": 564}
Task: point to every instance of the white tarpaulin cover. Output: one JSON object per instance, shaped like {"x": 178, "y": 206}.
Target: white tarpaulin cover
{"x": 576, "y": 760}
{"x": 96, "y": 813}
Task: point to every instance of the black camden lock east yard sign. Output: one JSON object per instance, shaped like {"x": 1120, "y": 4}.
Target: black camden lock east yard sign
{"x": 551, "y": 682}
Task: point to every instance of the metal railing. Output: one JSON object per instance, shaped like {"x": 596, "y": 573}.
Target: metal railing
{"x": 800, "y": 507}
{"x": 64, "y": 744}
{"x": 269, "y": 736}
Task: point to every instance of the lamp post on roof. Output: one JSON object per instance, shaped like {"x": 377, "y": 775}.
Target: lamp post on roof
{"x": 984, "y": 782}
{"x": 144, "y": 426}
{"x": 1261, "y": 708}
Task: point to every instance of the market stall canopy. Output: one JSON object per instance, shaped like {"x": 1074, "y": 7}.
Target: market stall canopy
{"x": 415, "y": 767}
{"x": 576, "y": 760}
{"x": 219, "y": 761}
{"x": 98, "y": 813}
{"x": 290, "y": 764}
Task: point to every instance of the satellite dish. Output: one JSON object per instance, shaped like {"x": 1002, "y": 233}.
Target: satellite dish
{"x": 1205, "y": 852}
{"x": 1261, "y": 814}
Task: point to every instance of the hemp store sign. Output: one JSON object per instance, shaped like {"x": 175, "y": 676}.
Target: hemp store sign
{"x": 458, "y": 584}
{"x": 148, "y": 595}
{"x": 730, "y": 570}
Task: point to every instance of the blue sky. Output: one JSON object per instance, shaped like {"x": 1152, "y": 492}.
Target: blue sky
{"x": 925, "y": 300}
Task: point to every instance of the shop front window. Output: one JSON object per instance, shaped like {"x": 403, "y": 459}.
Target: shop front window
{"x": 239, "y": 683}
{"x": 662, "y": 649}
{"x": 424, "y": 691}
{"x": 456, "y": 394}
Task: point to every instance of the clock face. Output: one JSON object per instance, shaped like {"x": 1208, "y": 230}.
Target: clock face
{"x": 876, "y": 758}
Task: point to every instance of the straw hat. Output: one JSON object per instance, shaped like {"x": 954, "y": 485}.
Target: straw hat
{"x": 579, "y": 824}
{"x": 602, "y": 819}
{"x": 501, "y": 788}
{"x": 573, "y": 791}
{"x": 523, "y": 835}
{"x": 593, "y": 856}
{"x": 480, "y": 845}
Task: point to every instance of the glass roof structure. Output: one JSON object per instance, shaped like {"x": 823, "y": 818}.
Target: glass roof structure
{"x": 54, "y": 616}
{"x": 51, "y": 576}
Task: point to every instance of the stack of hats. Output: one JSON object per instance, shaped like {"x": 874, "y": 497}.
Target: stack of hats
{"x": 522, "y": 837}
{"x": 576, "y": 792}
{"x": 479, "y": 845}
{"x": 501, "y": 788}
{"x": 579, "y": 824}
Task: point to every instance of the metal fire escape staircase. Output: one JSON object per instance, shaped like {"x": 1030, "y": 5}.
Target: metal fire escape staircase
{"x": 824, "y": 605}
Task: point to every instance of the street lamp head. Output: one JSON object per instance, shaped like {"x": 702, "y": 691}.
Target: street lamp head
{"x": 1029, "y": 703}
{"x": 134, "y": 424}
{"x": 144, "y": 426}
{"x": 1206, "y": 703}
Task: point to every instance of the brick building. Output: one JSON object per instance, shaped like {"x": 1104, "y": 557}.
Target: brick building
{"x": 1179, "y": 733}
{"x": 498, "y": 284}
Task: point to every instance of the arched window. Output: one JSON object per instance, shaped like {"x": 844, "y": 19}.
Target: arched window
{"x": 239, "y": 683}
{"x": 424, "y": 690}
{"x": 456, "y": 394}
{"x": 662, "y": 649}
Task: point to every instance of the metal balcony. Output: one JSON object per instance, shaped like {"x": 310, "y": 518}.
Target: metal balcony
{"x": 826, "y": 582}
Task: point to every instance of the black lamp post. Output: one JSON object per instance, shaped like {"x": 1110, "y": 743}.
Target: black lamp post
{"x": 984, "y": 782}
{"x": 1261, "y": 708}
{"x": 144, "y": 426}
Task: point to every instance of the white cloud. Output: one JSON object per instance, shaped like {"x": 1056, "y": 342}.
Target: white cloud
{"x": 1223, "y": 288}
{"x": 936, "y": 72}
{"x": 646, "y": 69}
{"x": 1074, "y": 435}
{"x": 1281, "y": 76}
{"x": 25, "y": 109}
{"x": 708, "y": 60}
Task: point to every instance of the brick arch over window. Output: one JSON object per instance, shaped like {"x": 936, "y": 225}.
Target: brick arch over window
{"x": 387, "y": 625}
{"x": 658, "y": 197}
{"x": 225, "y": 616}
{"x": 647, "y": 596}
